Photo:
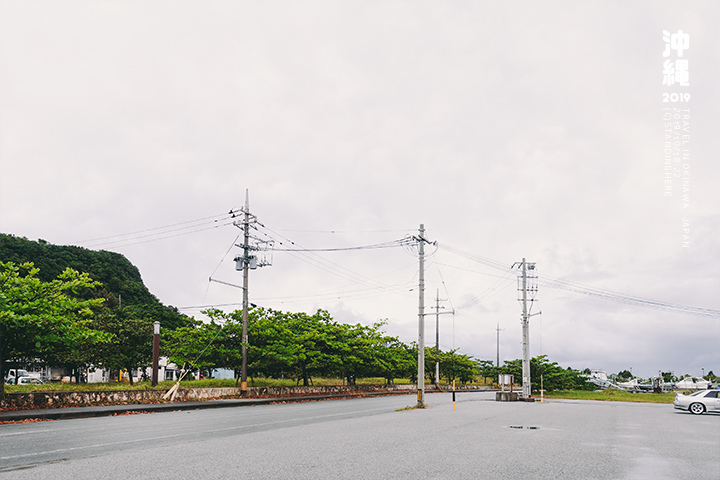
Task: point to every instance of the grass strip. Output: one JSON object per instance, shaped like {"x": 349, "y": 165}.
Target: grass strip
{"x": 612, "y": 395}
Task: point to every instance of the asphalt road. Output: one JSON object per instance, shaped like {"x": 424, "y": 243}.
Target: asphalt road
{"x": 368, "y": 438}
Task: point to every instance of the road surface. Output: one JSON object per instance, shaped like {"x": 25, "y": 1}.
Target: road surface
{"x": 369, "y": 438}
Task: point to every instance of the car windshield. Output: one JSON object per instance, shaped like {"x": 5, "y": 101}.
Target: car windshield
{"x": 696, "y": 393}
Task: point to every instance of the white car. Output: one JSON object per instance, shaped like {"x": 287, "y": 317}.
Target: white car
{"x": 698, "y": 402}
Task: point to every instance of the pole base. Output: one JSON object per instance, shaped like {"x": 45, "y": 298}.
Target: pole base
{"x": 506, "y": 397}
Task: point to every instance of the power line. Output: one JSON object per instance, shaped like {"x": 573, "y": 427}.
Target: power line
{"x": 342, "y": 231}
{"x": 159, "y": 233}
{"x": 309, "y": 256}
{"x": 594, "y": 292}
{"x": 150, "y": 229}
{"x": 396, "y": 243}
{"x": 130, "y": 242}
{"x": 626, "y": 299}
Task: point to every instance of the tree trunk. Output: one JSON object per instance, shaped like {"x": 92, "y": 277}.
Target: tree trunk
{"x": 130, "y": 376}
{"x": 305, "y": 378}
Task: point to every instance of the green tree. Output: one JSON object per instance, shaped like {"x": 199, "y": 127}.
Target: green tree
{"x": 130, "y": 346}
{"x": 487, "y": 370}
{"x": 40, "y": 319}
{"x": 554, "y": 377}
{"x": 396, "y": 360}
{"x": 457, "y": 366}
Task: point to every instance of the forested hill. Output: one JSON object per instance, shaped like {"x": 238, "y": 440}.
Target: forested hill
{"x": 120, "y": 278}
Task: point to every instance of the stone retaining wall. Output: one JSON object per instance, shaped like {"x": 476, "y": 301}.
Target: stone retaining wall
{"x": 84, "y": 398}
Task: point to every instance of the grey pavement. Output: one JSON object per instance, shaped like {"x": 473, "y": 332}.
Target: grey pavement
{"x": 369, "y": 438}
{"x": 109, "y": 410}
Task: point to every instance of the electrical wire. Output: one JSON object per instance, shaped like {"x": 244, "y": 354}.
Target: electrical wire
{"x": 626, "y": 299}
{"x": 309, "y": 256}
{"x": 447, "y": 293}
{"x": 159, "y": 233}
{"x": 374, "y": 288}
{"x": 150, "y": 229}
{"x": 392, "y": 244}
{"x": 595, "y": 292}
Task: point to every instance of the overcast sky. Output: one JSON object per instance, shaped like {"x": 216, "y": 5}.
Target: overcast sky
{"x": 510, "y": 130}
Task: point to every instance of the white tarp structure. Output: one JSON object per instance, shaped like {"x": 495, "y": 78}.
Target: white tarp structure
{"x": 692, "y": 383}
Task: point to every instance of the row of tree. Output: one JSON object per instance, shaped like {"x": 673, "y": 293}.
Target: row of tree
{"x": 302, "y": 346}
{"x": 70, "y": 321}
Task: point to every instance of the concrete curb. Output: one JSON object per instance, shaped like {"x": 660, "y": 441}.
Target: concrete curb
{"x": 109, "y": 410}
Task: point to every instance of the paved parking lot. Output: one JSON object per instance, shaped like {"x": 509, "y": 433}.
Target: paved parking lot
{"x": 369, "y": 438}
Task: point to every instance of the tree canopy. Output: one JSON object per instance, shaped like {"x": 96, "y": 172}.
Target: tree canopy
{"x": 41, "y": 319}
{"x": 554, "y": 377}
{"x": 292, "y": 345}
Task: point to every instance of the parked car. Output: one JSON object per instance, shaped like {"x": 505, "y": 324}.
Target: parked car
{"x": 29, "y": 381}
{"x": 698, "y": 402}
{"x": 14, "y": 373}
{"x": 14, "y": 376}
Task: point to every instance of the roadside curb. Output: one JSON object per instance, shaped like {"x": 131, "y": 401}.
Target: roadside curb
{"x": 110, "y": 410}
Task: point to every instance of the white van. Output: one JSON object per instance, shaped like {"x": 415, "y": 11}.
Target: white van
{"x": 13, "y": 374}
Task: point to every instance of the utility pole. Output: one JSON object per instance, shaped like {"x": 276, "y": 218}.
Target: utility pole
{"x": 421, "y": 240}
{"x": 437, "y": 336}
{"x": 437, "y": 339}
{"x": 525, "y": 335}
{"x": 246, "y": 262}
{"x": 524, "y": 288}
{"x": 497, "y": 362}
{"x": 421, "y": 317}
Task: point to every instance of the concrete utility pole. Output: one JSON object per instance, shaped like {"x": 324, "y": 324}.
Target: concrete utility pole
{"x": 497, "y": 362}
{"x": 525, "y": 336}
{"x": 437, "y": 339}
{"x": 437, "y": 336}
{"x": 421, "y": 317}
{"x": 524, "y": 288}
{"x": 246, "y": 265}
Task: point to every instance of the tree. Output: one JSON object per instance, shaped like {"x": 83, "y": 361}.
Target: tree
{"x": 131, "y": 344}
{"x": 554, "y": 377}
{"x": 41, "y": 319}
{"x": 457, "y": 366}
{"x": 396, "y": 360}
{"x": 487, "y": 369}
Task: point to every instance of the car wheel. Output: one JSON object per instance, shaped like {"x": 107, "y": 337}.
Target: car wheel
{"x": 697, "y": 408}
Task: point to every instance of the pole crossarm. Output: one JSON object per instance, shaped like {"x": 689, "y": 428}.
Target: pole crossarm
{"x": 225, "y": 283}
